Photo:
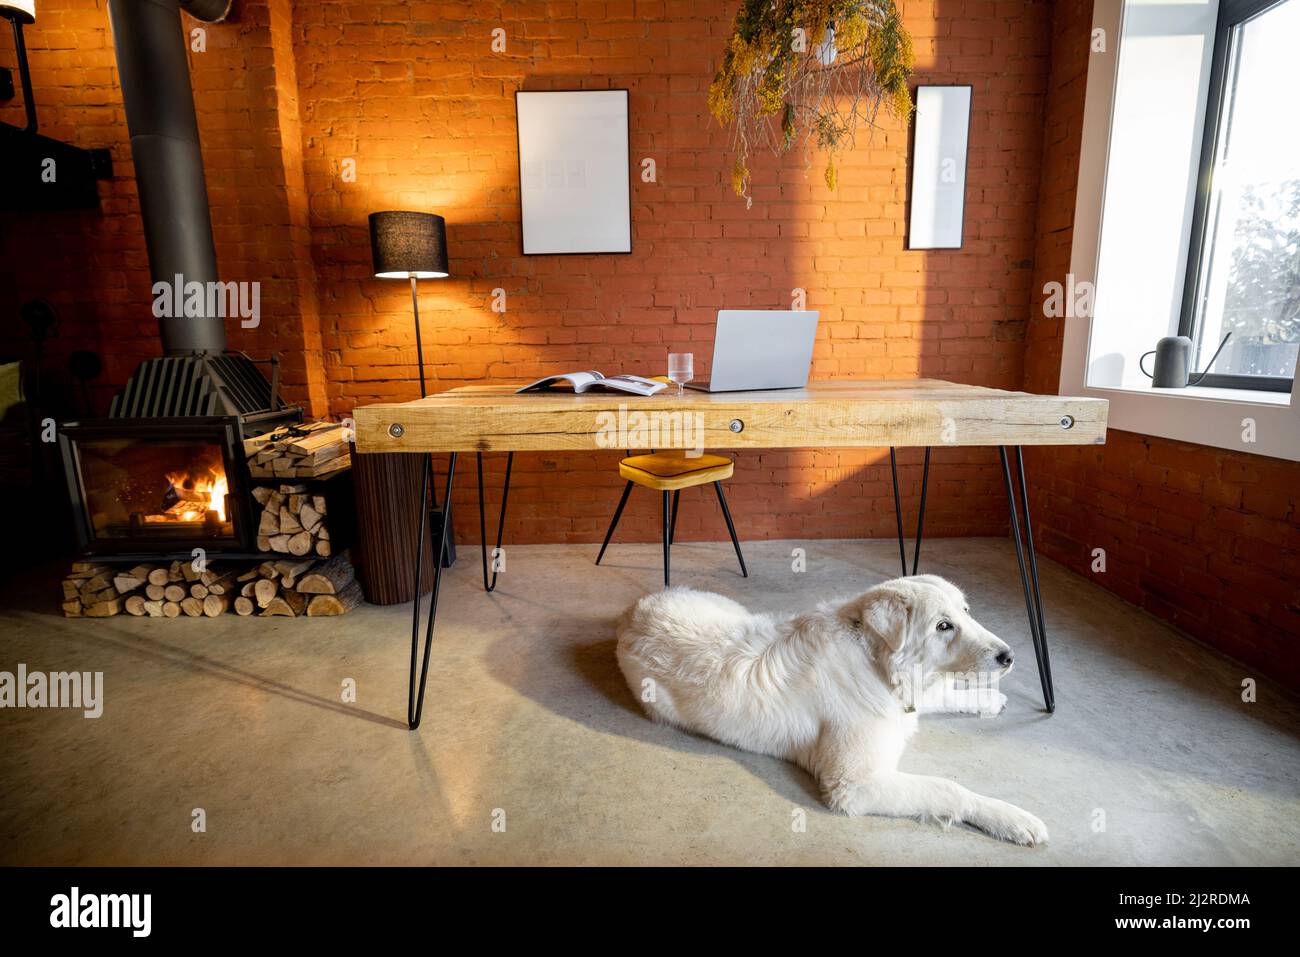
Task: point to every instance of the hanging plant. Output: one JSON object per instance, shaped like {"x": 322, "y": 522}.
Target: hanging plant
{"x": 804, "y": 72}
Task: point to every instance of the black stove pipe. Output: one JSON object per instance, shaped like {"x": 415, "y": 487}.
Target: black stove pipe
{"x": 154, "y": 70}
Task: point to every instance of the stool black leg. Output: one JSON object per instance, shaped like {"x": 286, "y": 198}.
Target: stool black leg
{"x": 415, "y": 692}
{"x": 726, "y": 513}
{"x": 618, "y": 512}
{"x": 501, "y": 521}
{"x": 672, "y": 529}
{"x": 1029, "y": 575}
{"x": 667, "y": 538}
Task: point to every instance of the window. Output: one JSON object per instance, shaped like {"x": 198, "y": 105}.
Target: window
{"x": 1243, "y": 271}
{"x": 1140, "y": 163}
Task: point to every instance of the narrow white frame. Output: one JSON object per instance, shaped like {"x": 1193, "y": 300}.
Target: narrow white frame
{"x": 941, "y": 133}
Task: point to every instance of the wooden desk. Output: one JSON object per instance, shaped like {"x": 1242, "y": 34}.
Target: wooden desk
{"x": 830, "y": 414}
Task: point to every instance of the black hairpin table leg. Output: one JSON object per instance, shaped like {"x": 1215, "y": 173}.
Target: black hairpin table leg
{"x": 501, "y": 521}
{"x": 415, "y": 691}
{"x": 920, "y": 515}
{"x": 1029, "y": 573}
{"x": 618, "y": 512}
{"x": 898, "y": 511}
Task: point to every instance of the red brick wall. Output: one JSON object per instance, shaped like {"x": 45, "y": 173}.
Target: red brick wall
{"x": 415, "y": 96}
{"x": 92, "y": 265}
{"x": 1206, "y": 539}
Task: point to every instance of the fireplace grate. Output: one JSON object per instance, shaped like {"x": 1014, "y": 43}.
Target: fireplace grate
{"x": 196, "y": 385}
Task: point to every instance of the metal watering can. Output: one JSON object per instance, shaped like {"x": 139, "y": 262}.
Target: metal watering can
{"x": 1173, "y": 360}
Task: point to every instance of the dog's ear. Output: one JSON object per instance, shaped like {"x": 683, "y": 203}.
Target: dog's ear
{"x": 883, "y": 612}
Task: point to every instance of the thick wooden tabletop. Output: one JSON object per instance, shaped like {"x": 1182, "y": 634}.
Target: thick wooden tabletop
{"x": 827, "y": 414}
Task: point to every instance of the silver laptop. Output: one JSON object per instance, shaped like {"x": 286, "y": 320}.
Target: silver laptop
{"x": 760, "y": 349}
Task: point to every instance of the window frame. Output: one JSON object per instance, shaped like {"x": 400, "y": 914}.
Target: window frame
{"x": 1214, "y": 418}
{"x": 1232, "y": 13}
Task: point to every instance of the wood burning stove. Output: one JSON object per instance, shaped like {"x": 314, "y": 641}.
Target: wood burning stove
{"x": 165, "y": 473}
{"x": 159, "y": 488}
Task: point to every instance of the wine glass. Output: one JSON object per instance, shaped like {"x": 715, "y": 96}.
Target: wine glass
{"x": 681, "y": 369}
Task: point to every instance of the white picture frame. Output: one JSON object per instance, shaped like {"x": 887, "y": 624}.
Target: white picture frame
{"x": 575, "y": 189}
{"x": 939, "y": 145}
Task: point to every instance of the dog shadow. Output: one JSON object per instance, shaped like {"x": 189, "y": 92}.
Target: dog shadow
{"x": 595, "y": 665}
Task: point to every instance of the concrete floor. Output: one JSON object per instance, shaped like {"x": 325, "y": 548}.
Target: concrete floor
{"x": 527, "y": 714}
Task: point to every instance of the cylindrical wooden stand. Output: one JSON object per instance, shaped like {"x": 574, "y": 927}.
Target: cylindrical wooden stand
{"x": 388, "y": 490}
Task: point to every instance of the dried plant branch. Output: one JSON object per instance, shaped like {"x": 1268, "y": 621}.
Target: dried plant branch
{"x": 804, "y": 74}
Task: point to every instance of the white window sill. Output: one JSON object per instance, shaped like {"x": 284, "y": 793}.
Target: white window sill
{"x": 1258, "y": 423}
{"x": 1193, "y": 393}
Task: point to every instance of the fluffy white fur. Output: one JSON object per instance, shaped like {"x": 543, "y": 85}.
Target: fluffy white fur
{"x": 835, "y": 690}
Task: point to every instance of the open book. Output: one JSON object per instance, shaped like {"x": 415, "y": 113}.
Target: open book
{"x": 582, "y": 381}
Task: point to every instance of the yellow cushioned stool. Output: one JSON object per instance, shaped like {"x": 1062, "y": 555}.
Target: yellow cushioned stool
{"x": 669, "y": 473}
{"x": 673, "y": 471}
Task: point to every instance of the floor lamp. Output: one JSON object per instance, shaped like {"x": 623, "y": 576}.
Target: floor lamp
{"x": 409, "y": 245}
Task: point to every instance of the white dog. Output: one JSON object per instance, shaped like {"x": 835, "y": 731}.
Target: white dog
{"x": 836, "y": 690}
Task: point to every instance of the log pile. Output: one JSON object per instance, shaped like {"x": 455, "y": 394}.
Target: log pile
{"x": 291, "y": 588}
{"x": 296, "y": 588}
{"x": 292, "y": 521}
{"x": 312, "y": 450}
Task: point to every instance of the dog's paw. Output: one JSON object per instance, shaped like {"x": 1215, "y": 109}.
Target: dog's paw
{"x": 1029, "y": 830}
{"x": 1007, "y": 822}
{"x": 992, "y": 702}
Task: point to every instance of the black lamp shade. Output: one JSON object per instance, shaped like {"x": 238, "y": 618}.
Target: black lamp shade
{"x": 405, "y": 245}
{"x": 19, "y": 11}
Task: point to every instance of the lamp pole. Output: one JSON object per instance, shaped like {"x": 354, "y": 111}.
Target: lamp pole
{"x": 419, "y": 348}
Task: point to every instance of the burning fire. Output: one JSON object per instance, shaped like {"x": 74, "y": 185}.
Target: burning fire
{"x": 198, "y": 494}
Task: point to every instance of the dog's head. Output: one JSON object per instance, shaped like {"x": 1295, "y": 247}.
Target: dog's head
{"x": 922, "y": 626}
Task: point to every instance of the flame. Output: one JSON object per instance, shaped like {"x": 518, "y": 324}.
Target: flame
{"x": 217, "y": 497}
{"x": 213, "y": 483}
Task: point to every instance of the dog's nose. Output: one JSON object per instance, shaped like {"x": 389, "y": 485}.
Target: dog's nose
{"x": 1005, "y": 658}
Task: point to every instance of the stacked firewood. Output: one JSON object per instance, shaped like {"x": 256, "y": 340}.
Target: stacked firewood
{"x": 296, "y": 588}
{"x": 307, "y": 587}
{"x": 312, "y": 450}
{"x": 160, "y": 591}
{"x": 292, "y": 521}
